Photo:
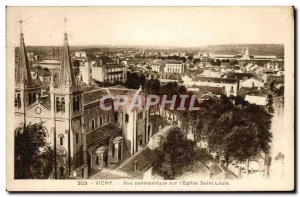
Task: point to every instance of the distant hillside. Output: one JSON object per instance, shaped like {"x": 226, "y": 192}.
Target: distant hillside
{"x": 254, "y": 49}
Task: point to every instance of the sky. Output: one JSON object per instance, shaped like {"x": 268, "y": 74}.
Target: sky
{"x": 149, "y": 26}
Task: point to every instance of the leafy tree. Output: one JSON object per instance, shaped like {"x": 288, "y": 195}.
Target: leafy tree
{"x": 152, "y": 86}
{"x": 33, "y": 155}
{"x": 177, "y": 155}
{"x": 134, "y": 80}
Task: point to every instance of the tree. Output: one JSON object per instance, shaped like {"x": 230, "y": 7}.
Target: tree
{"x": 152, "y": 87}
{"x": 177, "y": 155}
{"x": 33, "y": 156}
{"x": 134, "y": 80}
{"x": 240, "y": 133}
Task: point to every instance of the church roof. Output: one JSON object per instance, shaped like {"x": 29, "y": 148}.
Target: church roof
{"x": 93, "y": 96}
{"x": 101, "y": 133}
{"x": 22, "y": 67}
{"x": 66, "y": 69}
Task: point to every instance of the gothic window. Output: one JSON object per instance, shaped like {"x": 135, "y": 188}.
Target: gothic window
{"x": 77, "y": 137}
{"x": 58, "y": 105}
{"x": 126, "y": 118}
{"x": 61, "y": 140}
{"x": 63, "y": 104}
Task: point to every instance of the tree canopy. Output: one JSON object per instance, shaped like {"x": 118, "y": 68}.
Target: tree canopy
{"x": 33, "y": 155}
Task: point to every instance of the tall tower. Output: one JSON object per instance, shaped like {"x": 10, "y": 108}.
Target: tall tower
{"x": 65, "y": 98}
{"x": 27, "y": 90}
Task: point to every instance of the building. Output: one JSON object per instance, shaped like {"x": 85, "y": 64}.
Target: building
{"x": 256, "y": 98}
{"x": 85, "y": 138}
{"x": 80, "y": 54}
{"x": 173, "y": 66}
{"x": 230, "y": 86}
{"x": 109, "y": 73}
{"x": 252, "y": 82}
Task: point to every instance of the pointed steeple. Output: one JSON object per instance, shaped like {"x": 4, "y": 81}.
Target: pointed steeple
{"x": 66, "y": 66}
{"x": 22, "y": 67}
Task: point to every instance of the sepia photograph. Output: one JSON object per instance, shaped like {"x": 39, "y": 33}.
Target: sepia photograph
{"x": 150, "y": 98}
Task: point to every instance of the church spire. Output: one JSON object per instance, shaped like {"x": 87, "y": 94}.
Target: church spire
{"x": 66, "y": 75}
{"x": 22, "y": 67}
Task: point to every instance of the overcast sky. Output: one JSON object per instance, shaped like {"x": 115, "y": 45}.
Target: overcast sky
{"x": 158, "y": 26}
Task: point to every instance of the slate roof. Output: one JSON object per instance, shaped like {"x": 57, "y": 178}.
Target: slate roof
{"x": 143, "y": 160}
{"x": 101, "y": 133}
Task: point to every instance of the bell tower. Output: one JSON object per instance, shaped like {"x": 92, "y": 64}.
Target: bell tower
{"x": 27, "y": 90}
{"x": 65, "y": 96}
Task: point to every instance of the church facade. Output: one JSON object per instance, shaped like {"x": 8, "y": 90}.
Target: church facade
{"x": 84, "y": 137}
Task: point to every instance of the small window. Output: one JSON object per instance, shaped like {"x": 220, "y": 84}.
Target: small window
{"x": 108, "y": 117}
{"x": 93, "y": 124}
{"x": 77, "y": 138}
{"x": 63, "y": 104}
{"x": 58, "y": 107}
{"x": 101, "y": 120}
{"x": 33, "y": 97}
{"x": 29, "y": 98}
{"x": 19, "y": 100}
{"x": 16, "y": 100}
{"x": 126, "y": 118}
{"x": 97, "y": 160}
{"x": 61, "y": 140}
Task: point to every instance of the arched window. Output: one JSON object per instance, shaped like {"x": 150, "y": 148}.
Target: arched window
{"x": 93, "y": 124}
{"x": 61, "y": 140}
{"x": 58, "y": 105}
{"x": 101, "y": 120}
{"x": 77, "y": 138}
{"x": 63, "y": 104}
{"x": 126, "y": 118}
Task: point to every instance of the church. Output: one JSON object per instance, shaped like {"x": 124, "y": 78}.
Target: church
{"x": 85, "y": 138}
